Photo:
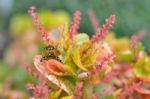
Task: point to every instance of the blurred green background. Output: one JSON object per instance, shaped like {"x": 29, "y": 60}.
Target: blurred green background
{"x": 132, "y": 17}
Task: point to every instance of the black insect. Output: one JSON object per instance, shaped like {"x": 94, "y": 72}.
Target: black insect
{"x": 50, "y": 52}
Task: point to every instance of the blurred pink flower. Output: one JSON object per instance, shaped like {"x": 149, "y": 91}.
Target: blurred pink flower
{"x": 93, "y": 19}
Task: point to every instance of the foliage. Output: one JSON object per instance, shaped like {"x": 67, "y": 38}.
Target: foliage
{"x": 75, "y": 66}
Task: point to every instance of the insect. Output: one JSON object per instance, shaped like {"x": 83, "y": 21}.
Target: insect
{"x": 50, "y": 52}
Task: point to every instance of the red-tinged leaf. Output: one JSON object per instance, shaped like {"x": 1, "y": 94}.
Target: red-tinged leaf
{"x": 40, "y": 66}
{"x": 55, "y": 67}
{"x": 142, "y": 90}
{"x": 51, "y": 66}
{"x": 145, "y": 96}
{"x": 144, "y": 79}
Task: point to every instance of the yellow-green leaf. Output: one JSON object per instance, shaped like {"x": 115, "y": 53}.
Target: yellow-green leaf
{"x": 87, "y": 89}
{"x": 67, "y": 97}
{"x": 77, "y": 58}
{"x": 141, "y": 68}
{"x": 81, "y": 38}
{"x": 54, "y": 94}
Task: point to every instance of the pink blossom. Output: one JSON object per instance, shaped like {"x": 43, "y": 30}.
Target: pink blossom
{"x": 110, "y": 75}
{"x": 105, "y": 60}
{"x": 76, "y": 22}
{"x": 28, "y": 68}
{"x": 134, "y": 41}
{"x": 102, "y": 31}
{"x": 101, "y": 66}
{"x": 30, "y": 86}
{"x": 31, "y": 70}
{"x": 41, "y": 90}
{"x": 35, "y": 17}
{"x": 129, "y": 90}
{"x": 78, "y": 92}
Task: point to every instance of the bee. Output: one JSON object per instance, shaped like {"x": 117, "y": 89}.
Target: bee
{"x": 50, "y": 52}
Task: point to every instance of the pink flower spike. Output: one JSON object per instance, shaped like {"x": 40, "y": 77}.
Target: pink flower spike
{"x": 93, "y": 19}
{"x": 94, "y": 96}
{"x": 134, "y": 41}
{"x": 28, "y": 68}
{"x": 110, "y": 75}
{"x": 103, "y": 63}
{"x": 101, "y": 32}
{"x": 76, "y": 22}
{"x": 35, "y": 17}
{"x": 78, "y": 88}
{"x": 38, "y": 92}
{"x": 130, "y": 89}
{"x": 106, "y": 60}
{"x": 30, "y": 86}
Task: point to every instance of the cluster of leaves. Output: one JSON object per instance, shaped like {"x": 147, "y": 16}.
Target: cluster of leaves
{"x": 130, "y": 69}
{"x": 89, "y": 68}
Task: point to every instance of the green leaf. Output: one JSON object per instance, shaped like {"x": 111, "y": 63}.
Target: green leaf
{"x": 67, "y": 97}
{"x": 77, "y": 58}
{"x": 55, "y": 94}
{"x": 81, "y": 38}
{"x": 89, "y": 58}
{"x": 141, "y": 67}
{"x": 126, "y": 56}
{"x": 65, "y": 83}
{"x": 87, "y": 89}
{"x": 82, "y": 55}
{"x": 140, "y": 47}
{"x": 65, "y": 30}
{"x": 68, "y": 62}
